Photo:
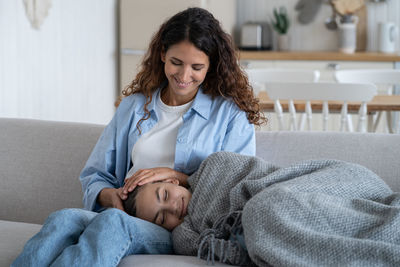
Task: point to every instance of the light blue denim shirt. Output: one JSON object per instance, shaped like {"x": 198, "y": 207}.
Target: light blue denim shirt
{"x": 210, "y": 125}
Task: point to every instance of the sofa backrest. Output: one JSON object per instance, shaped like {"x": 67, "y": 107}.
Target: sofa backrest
{"x": 378, "y": 152}
{"x": 40, "y": 161}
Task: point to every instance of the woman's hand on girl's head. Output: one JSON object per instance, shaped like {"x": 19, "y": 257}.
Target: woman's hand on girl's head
{"x": 145, "y": 176}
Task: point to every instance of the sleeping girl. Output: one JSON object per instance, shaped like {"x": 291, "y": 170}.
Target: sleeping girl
{"x": 242, "y": 210}
{"x": 162, "y": 203}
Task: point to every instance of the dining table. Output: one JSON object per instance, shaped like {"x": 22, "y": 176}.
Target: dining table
{"x": 378, "y": 103}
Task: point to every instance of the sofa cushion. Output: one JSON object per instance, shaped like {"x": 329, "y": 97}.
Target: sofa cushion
{"x": 13, "y": 236}
{"x": 164, "y": 261}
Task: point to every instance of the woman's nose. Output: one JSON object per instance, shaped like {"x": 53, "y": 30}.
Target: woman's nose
{"x": 185, "y": 74}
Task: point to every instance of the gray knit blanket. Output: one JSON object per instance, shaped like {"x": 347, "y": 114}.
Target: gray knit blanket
{"x": 245, "y": 211}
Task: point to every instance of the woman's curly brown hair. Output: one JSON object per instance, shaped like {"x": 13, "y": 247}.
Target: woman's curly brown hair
{"x": 224, "y": 78}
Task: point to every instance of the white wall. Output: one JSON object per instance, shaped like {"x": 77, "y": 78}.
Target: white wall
{"x": 315, "y": 36}
{"x": 66, "y": 70}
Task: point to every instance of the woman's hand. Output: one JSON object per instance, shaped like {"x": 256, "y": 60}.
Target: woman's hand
{"x": 112, "y": 198}
{"x": 145, "y": 176}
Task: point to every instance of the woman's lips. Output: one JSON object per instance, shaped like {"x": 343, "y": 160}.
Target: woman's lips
{"x": 182, "y": 84}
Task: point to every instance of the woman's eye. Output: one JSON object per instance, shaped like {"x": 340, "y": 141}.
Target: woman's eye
{"x": 175, "y": 63}
{"x": 165, "y": 195}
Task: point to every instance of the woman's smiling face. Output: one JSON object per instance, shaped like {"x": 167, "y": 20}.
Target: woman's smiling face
{"x": 164, "y": 204}
{"x": 186, "y": 68}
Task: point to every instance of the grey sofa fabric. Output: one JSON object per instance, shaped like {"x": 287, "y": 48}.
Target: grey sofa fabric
{"x": 13, "y": 236}
{"x": 164, "y": 261}
{"x": 40, "y": 162}
{"x": 378, "y": 152}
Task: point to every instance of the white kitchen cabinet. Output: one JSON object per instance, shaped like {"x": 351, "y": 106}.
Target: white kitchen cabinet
{"x": 139, "y": 20}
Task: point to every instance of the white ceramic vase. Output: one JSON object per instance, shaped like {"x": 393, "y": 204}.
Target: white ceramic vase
{"x": 283, "y": 42}
{"x": 347, "y": 34}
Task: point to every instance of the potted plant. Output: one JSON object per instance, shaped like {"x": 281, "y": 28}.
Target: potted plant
{"x": 281, "y": 24}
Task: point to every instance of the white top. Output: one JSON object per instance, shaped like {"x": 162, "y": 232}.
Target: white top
{"x": 156, "y": 148}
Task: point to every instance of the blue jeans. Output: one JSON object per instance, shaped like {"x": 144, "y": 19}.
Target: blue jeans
{"x": 77, "y": 237}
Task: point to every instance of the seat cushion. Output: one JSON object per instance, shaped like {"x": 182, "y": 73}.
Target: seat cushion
{"x": 13, "y": 236}
{"x": 164, "y": 261}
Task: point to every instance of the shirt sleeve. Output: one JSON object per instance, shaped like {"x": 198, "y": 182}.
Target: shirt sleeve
{"x": 240, "y": 136}
{"x": 100, "y": 169}
{"x": 98, "y": 172}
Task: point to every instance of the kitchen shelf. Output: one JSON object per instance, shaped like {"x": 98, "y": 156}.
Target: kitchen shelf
{"x": 318, "y": 55}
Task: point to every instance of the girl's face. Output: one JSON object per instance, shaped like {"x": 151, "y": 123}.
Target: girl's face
{"x": 186, "y": 68}
{"x": 164, "y": 204}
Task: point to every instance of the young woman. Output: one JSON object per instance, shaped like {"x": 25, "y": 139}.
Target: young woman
{"x": 190, "y": 99}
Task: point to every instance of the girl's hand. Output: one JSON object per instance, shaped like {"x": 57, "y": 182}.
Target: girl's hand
{"x": 145, "y": 176}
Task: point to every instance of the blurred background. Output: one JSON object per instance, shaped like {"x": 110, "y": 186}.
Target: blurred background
{"x": 68, "y": 60}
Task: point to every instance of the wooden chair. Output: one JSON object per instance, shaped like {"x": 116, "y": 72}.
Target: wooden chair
{"x": 380, "y": 77}
{"x": 324, "y": 92}
{"x": 258, "y": 77}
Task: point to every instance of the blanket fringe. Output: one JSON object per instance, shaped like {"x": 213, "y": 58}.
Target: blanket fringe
{"x": 223, "y": 235}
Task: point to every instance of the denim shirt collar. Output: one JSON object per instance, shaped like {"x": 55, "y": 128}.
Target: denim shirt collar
{"x": 151, "y": 107}
{"x": 201, "y": 103}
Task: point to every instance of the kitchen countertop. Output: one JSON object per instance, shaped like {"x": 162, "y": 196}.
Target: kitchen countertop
{"x": 318, "y": 55}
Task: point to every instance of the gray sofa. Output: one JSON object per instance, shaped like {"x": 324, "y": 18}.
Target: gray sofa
{"x": 40, "y": 162}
